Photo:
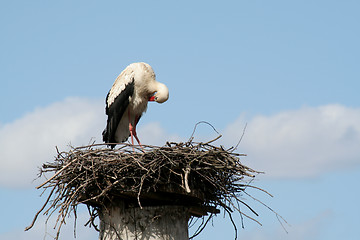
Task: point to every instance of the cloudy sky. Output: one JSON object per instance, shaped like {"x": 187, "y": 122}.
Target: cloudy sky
{"x": 287, "y": 70}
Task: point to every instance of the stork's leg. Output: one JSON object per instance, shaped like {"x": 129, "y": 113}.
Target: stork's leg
{"x": 132, "y": 130}
{"x": 135, "y": 134}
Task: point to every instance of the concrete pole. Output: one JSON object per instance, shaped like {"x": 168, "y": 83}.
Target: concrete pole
{"x": 148, "y": 223}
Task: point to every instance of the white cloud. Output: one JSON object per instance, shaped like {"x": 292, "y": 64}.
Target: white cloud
{"x": 154, "y": 134}
{"x": 30, "y": 141}
{"x": 300, "y": 143}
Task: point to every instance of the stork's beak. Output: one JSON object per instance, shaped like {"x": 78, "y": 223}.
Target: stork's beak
{"x": 152, "y": 98}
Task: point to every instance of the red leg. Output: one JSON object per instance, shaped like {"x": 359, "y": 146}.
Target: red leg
{"x": 132, "y": 130}
{"x": 135, "y": 134}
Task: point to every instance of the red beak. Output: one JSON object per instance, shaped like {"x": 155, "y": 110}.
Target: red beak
{"x": 152, "y": 99}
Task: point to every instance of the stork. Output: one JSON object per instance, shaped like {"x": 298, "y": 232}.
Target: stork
{"x": 127, "y": 100}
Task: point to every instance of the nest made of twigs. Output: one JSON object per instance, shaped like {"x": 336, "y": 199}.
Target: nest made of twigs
{"x": 201, "y": 176}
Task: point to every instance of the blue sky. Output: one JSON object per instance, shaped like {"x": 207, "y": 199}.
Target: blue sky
{"x": 289, "y": 69}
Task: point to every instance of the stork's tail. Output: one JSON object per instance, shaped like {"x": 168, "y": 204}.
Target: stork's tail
{"x": 106, "y": 139}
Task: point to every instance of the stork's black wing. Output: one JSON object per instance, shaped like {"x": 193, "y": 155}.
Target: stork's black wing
{"x": 115, "y": 112}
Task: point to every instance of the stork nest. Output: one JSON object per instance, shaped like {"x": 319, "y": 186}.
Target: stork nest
{"x": 200, "y": 176}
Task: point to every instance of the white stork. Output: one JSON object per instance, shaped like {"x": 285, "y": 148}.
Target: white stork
{"x": 127, "y": 101}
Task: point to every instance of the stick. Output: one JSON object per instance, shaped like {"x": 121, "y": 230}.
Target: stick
{"x": 37, "y": 214}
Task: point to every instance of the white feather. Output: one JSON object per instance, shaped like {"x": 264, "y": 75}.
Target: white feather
{"x": 145, "y": 86}
{"x": 121, "y": 81}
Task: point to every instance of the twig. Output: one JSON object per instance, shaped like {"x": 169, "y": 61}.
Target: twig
{"x": 203, "y": 176}
{"x": 41, "y": 209}
{"x": 242, "y": 135}
{"x": 192, "y": 135}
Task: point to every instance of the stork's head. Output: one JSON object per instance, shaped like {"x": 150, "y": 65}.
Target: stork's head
{"x": 161, "y": 94}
